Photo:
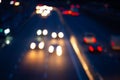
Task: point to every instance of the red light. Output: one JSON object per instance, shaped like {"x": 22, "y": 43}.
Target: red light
{"x": 40, "y": 4}
{"x": 72, "y": 6}
{"x": 65, "y": 12}
{"x": 69, "y": 12}
{"x": 112, "y": 43}
{"x": 94, "y": 40}
{"x": 75, "y": 14}
{"x": 77, "y": 6}
{"x": 99, "y": 48}
{"x": 91, "y": 49}
{"x": 84, "y": 39}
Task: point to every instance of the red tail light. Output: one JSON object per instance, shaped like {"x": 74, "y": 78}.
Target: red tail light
{"x": 94, "y": 40}
{"x": 99, "y": 48}
{"x": 112, "y": 43}
{"x": 75, "y": 14}
{"x": 84, "y": 39}
{"x": 77, "y": 6}
{"x": 68, "y": 12}
{"x": 91, "y": 49}
{"x": 72, "y": 6}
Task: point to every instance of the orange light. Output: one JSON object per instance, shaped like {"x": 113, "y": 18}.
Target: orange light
{"x": 99, "y": 48}
{"x": 69, "y": 12}
{"x": 94, "y": 40}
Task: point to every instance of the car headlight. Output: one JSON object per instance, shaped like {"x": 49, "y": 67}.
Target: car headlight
{"x": 54, "y": 35}
{"x": 41, "y": 45}
{"x": 60, "y": 35}
{"x": 39, "y": 32}
{"x": 7, "y": 31}
{"x": 51, "y": 49}
{"x": 7, "y": 42}
{"x": 59, "y": 50}
{"x": 32, "y": 45}
{"x": 45, "y": 32}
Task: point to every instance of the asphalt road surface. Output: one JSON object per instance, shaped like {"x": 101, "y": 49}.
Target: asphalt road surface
{"x": 19, "y": 62}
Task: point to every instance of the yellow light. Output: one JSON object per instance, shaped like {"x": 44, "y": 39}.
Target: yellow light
{"x": 17, "y": 3}
{"x": 32, "y": 45}
{"x": 51, "y": 49}
{"x": 60, "y": 35}
{"x": 81, "y": 58}
{"x": 37, "y": 7}
{"x": 39, "y": 32}
{"x": 41, "y": 45}
{"x": 59, "y": 50}
{"x": 54, "y": 35}
{"x": 45, "y": 32}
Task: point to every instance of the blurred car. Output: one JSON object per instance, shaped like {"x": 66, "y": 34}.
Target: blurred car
{"x": 58, "y": 35}
{"x": 95, "y": 48}
{"x": 37, "y": 45}
{"x": 5, "y": 36}
{"x": 89, "y": 38}
{"x": 115, "y": 42}
{"x": 43, "y": 32}
{"x": 55, "y": 48}
{"x": 74, "y": 10}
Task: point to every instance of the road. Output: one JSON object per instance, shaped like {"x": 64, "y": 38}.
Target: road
{"x": 21, "y": 63}
{"x": 18, "y": 62}
{"x": 106, "y": 64}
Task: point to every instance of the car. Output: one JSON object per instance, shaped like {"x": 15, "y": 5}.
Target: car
{"x": 36, "y": 44}
{"x": 58, "y": 35}
{"x": 115, "y": 42}
{"x": 95, "y": 48}
{"x": 89, "y": 38}
{"x": 55, "y": 48}
{"x": 41, "y": 32}
{"x": 5, "y": 37}
{"x": 74, "y": 10}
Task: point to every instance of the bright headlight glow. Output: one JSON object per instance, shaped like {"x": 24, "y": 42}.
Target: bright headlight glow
{"x": 11, "y": 2}
{"x": 41, "y": 45}
{"x": 54, "y": 35}
{"x": 39, "y": 32}
{"x": 7, "y": 42}
{"x": 37, "y": 7}
{"x": 45, "y": 32}
{"x": 17, "y": 3}
{"x": 50, "y": 8}
{"x": 6, "y": 31}
{"x": 32, "y": 45}
{"x": 45, "y": 13}
{"x": 51, "y": 49}
{"x": 59, "y": 50}
{"x": 60, "y": 35}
